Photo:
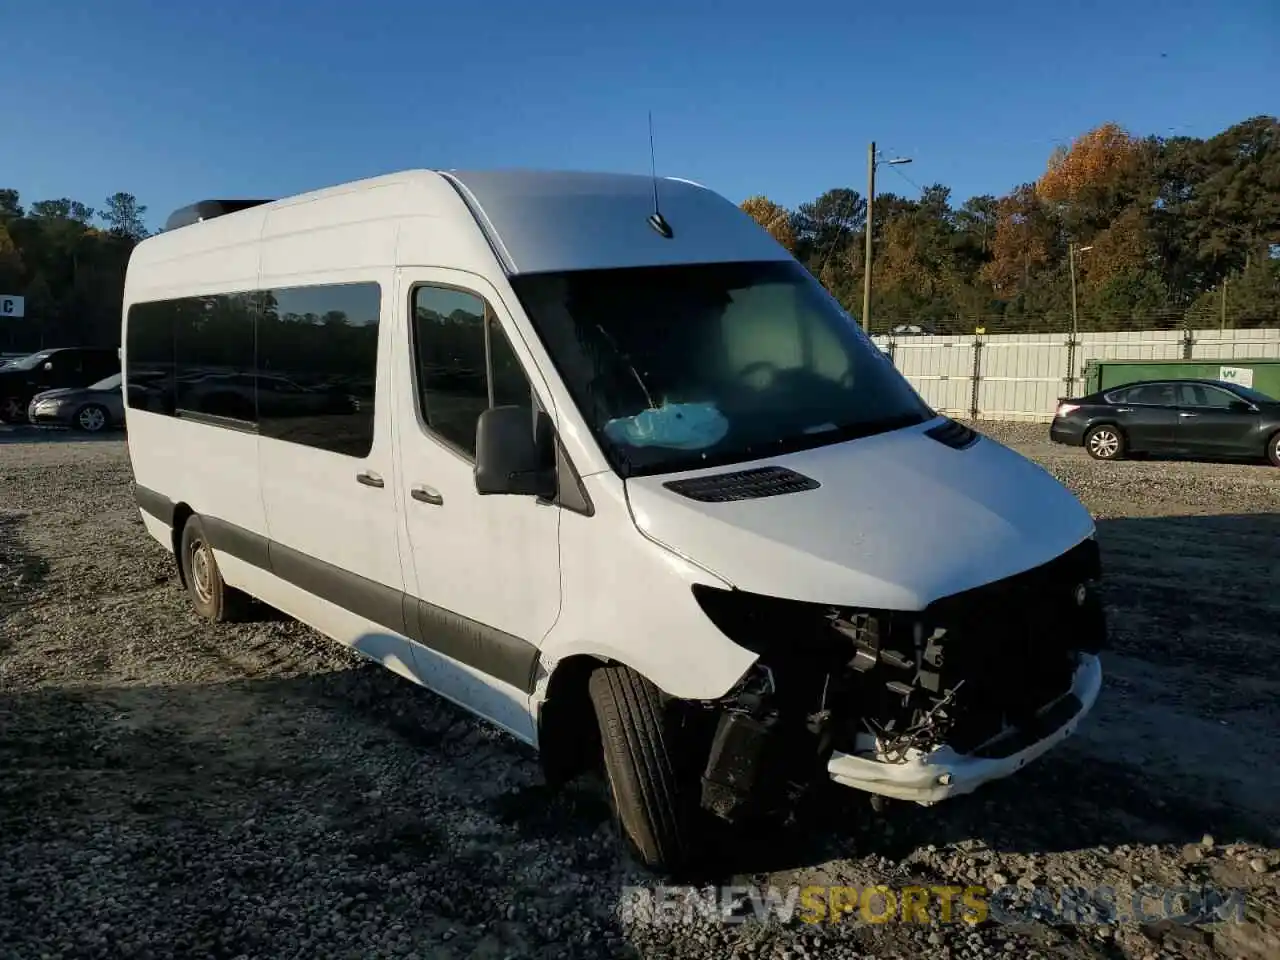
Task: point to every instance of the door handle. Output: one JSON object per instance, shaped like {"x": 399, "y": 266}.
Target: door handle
{"x": 424, "y": 494}
{"x": 369, "y": 479}
{"x": 1185, "y": 413}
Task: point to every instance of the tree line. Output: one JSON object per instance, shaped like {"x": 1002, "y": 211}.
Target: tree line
{"x": 1167, "y": 231}
{"x": 68, "y": 261}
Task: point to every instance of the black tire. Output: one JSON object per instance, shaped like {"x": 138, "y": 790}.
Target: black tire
{"x": 653, "y": 808}
{"x": 210, "y": 595}
{"x": 1273, "y": 449}
{"x": 12, "y": 410}
{"x": 1105, "y": 442}
{"x": 92, "y": 418}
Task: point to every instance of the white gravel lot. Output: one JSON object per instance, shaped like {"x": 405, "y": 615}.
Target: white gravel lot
{"x": 169, "y": 788}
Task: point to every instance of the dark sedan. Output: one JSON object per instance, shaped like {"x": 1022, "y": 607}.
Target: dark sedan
{"x": 1193, "y": 418}
{"x": 92, "y": 409}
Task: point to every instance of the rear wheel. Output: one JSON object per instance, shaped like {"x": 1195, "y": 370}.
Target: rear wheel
{"x": 1273, "y": 449}
{"x": 92, "y": 418}
{"x": 210, "y": 595}
{"x": 653, "y": 807}
{"x": 1104, "y": 442}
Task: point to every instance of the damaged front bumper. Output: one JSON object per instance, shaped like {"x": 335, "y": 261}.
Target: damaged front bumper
{"x": 941, "y": 773}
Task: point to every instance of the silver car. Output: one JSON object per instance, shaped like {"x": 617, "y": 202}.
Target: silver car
{"x": 92, "y": 409}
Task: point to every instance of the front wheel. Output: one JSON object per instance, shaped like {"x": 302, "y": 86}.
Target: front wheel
{"x": 92, "y": 418}
{"x": 1104, "y": 442}
{"x": 652, "y": 806}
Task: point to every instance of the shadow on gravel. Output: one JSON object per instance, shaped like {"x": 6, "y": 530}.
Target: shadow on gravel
{"x": 23, "y": 433}
{"x": 384, "y": 775}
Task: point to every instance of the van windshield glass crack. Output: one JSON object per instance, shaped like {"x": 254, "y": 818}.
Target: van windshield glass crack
{"x": 698, "y": 365}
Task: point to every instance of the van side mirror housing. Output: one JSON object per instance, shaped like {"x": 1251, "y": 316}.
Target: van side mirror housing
{"x": 515, "y": 454}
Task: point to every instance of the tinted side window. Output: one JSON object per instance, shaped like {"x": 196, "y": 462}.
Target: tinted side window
{"x": 213, "y": 352}
{"x": 1156, "y": 394}
{"x": 317, "y": 365}
{"x": 1198, "y": 395}
{"x": 149, "y": 355}
{"x": 457, "y": 376}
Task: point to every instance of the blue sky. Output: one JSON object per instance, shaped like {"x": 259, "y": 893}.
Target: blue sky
{"x": 175, "y": 101}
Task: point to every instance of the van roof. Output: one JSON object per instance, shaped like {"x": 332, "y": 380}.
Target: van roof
{"x": 533, "y": 221}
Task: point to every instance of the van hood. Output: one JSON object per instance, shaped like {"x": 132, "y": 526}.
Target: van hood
{"x": 897, "y": 521}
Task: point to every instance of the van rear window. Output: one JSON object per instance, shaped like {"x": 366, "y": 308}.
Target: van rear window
{"x": 296, "y": 364}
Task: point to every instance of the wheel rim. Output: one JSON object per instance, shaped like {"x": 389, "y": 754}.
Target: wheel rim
{"x": 201, "y": 571}
{"x": 92, "y": 419}
{"x": 1104, "y": 444}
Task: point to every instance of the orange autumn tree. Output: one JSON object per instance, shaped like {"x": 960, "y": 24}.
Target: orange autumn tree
{"x": 1025, "y": 233}
{"x": 1096, "y": 163}
{"x": 773, "y": 217}
{"x": 1093, "y": 187}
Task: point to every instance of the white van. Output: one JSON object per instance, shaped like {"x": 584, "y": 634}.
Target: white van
{"x": 625, "y": 482}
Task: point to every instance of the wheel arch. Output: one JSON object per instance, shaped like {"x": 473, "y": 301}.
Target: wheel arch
{"x": 568, "y": 737}
{"x": 182, "y": 512}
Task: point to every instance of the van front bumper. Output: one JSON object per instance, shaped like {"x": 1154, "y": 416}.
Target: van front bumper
{"x": 942, "y": 773}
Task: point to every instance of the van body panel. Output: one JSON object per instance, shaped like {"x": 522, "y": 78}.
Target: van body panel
{"x": 549, "y": 220}
{"x": 494, "y": 561}
{"x": 629, "y": 599}
{"x": 314, "y": 500}
{"x": 211, "y": 469}
{"x": 898, "y": 521}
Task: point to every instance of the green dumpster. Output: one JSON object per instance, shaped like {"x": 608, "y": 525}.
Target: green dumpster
{"x": 1262, "y": 375}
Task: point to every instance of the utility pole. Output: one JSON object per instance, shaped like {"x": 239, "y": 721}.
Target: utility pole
{"x": 866, "y": 260}
{"x": 1072, "y": 250}
{"x": 872, "y": 163}
{"x": 1223, "y": 325}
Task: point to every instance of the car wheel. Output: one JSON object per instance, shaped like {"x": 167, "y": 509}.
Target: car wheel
{"x": 1273, "y": 450}
{"x": 92, "y": 418}
{"x": 210, "y": 595}
{"x": 651, "y": 806}
{"x": 1105, "y": 442}
{"x": 13, "y": 410}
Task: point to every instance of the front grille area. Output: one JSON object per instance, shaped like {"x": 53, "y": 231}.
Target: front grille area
{"x": 991, "y": 656}
{"x": 957, "y": 672}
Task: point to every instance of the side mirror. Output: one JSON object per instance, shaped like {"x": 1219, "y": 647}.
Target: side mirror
{"x": 515, "y": 453}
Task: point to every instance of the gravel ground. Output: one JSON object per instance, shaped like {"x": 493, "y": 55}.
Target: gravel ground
{"x": 169, "y": 788}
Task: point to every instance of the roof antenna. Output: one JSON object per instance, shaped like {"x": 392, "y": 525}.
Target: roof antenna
{"x": 656, "y": 220}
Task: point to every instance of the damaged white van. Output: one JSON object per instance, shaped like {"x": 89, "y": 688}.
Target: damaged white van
{"x": 595, "y": 458}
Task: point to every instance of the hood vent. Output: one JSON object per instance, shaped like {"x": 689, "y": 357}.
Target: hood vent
{"x": 743, "y": 485}
{"x": 953, "y": 434}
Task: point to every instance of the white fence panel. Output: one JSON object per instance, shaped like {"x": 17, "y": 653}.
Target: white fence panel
{"x": 1020, "y": 376}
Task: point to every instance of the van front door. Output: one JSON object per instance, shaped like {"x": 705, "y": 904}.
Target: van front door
{"x": 487, "y": 568}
